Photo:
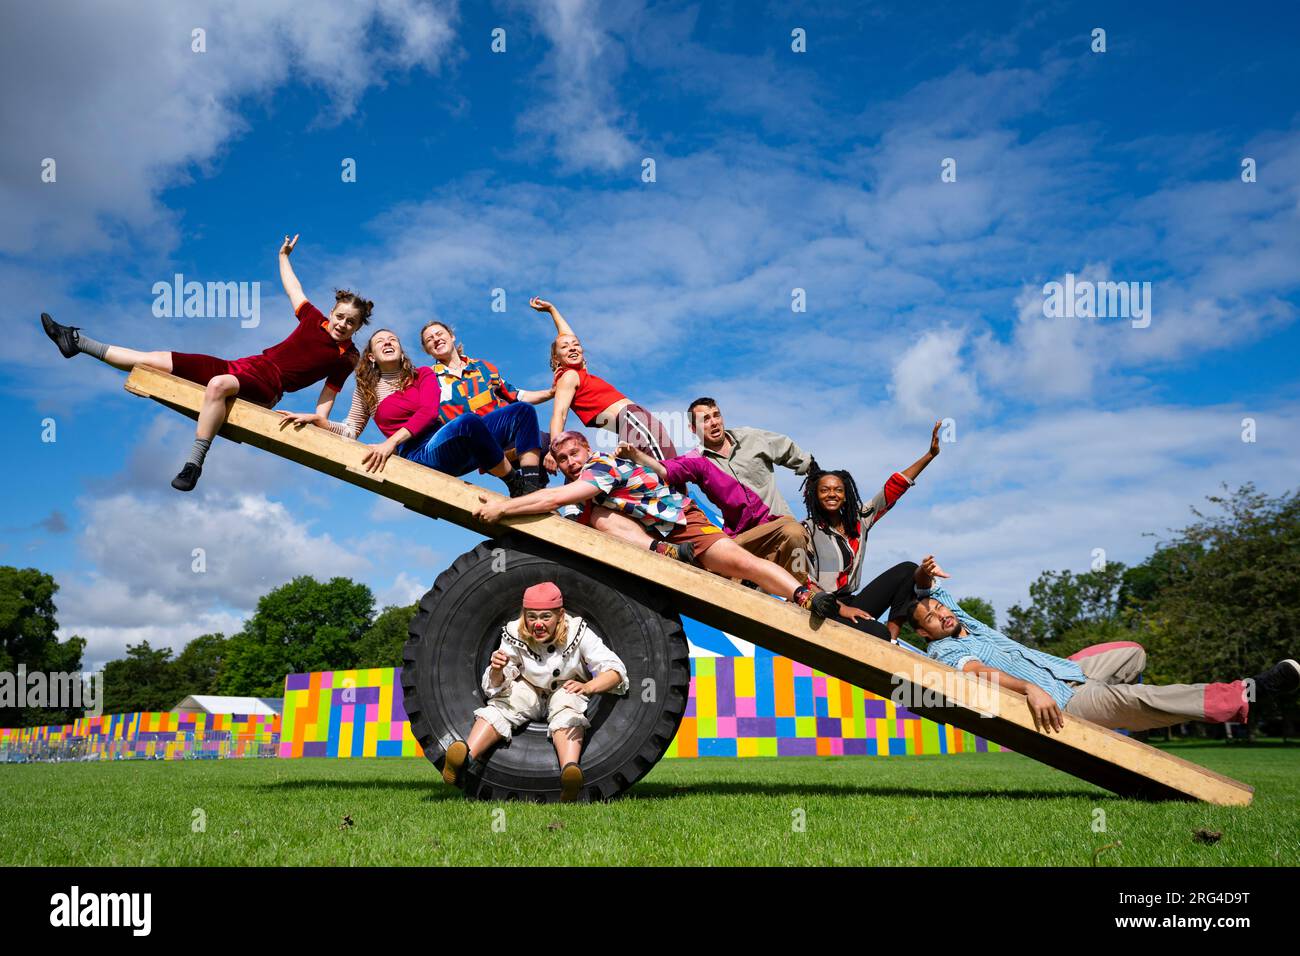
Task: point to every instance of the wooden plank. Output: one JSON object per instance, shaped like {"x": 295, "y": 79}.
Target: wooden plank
{"x": 1100, "y": 756}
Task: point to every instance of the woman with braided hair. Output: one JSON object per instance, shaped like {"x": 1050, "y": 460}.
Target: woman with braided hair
{"x": 838, "y": 523}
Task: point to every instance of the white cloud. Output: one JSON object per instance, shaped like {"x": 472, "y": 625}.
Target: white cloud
{"x": 579, "y": 116}
{"x": 114, "y": 94}
{"x": 405, "y": 589}
{"x": 929, "y": 379}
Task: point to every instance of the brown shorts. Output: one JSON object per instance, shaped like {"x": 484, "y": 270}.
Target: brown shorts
{"x": 698, "y": 530}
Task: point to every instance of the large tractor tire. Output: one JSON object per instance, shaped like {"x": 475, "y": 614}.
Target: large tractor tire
{"x": 458, "y": 626}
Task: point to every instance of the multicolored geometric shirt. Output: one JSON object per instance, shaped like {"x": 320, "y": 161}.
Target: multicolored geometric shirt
{"x": 479, "y": 388}
{"x": 637, "y": 492}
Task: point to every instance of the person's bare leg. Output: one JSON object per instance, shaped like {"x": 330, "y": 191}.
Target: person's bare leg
{"x": 620, "y": 526}
{"x": 568, "y": 744}
{"x": 482, "y": 737}
{"x": 212, "y": 413}
{"x": 501, "y": 469}
{"x": 732, "y": 561}
{"x": 126, "y": 359}
{"x": 530, "y": 459}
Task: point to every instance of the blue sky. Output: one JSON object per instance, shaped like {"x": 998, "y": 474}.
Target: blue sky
{"x": 775, "y": 170}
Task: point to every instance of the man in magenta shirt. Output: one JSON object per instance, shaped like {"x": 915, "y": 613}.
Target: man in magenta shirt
{"x": 746, "y": 519}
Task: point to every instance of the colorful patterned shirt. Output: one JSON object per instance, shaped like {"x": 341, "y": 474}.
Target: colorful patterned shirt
{"x": 479, "y": 388}
{"x": 635, "y": 491}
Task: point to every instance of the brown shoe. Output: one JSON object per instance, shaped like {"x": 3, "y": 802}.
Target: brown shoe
{"x": 570, "y": 782}
{"x": 453, "y": 764}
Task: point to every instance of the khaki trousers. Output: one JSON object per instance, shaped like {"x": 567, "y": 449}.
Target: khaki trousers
{"x": 510, "y": 711}
{"x": 1110, "y": 697}
{"x": 782, "y": 541}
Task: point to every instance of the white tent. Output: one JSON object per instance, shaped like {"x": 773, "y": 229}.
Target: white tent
{"x": 212, "y": 704}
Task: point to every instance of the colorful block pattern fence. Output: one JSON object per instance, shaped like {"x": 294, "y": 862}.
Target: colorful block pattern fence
{"x": 769, "y": 706}
{"x": 346, "y": 714}
{"x": 150, "y": 735}
{"x": 762, "y": 706}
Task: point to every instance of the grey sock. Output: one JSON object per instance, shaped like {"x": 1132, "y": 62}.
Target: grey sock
{"x": 90, "y": 346}
{"x": 199, "y": 451}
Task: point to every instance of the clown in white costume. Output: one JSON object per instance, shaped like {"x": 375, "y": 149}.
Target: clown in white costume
{"x": 549, "y": 667}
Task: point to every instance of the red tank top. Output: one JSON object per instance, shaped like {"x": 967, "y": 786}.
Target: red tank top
{"x": 593, "y": 396}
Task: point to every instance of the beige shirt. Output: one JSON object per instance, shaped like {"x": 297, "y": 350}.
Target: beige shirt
{"x": 546, "y": 667}
{"x": 755, "y": 453}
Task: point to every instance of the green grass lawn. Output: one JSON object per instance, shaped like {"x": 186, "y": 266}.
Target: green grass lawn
{"x": 968, "y": 809}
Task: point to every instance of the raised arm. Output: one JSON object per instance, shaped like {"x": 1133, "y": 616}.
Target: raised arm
{"x": 292, "y": 287}
{"x": 918, "y": 466}
{"x": 541, "y": 305}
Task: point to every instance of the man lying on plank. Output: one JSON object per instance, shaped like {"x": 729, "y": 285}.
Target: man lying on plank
{"x": 621, "y": 498}
{"x": 1100, "y": 688}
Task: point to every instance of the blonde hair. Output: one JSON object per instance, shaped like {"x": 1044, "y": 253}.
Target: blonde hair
{"x": 561, "y": 629}
{"x": 555, "y": 353}
{"x": 460, "y": 347}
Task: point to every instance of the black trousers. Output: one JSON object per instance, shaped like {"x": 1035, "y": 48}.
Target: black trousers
{"x": 890, "y": 590}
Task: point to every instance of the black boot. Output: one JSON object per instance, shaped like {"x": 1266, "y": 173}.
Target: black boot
{"x": 535, "y": 475}
{"x": 188, "y": 478}
{"x": 64, "y": 336}
{"x": 1280, "y": 680}
{"x": 517, "y": 484}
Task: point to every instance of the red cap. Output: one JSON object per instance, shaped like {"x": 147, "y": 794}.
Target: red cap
{"x": 543, "y": 597}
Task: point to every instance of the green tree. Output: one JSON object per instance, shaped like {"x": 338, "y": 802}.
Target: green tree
{"x": 301, "y": 626}
{"x": 28, "y": 626}
{"x": 143, "y": 680}
{"x": 1061, "y": 602}
{"x": 979, "y": 609}
{"x": 381, "y": 645}
{"x": 1232, "y": 608}
{"x": 198, "y": 667}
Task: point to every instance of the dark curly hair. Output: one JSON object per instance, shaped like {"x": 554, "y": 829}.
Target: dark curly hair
{"x": 850, "y": 510}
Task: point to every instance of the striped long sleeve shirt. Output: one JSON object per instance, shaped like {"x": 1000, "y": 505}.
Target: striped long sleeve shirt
{"x": 360, "y": 413}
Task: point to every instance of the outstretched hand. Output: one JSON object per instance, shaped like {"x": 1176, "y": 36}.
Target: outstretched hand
{"x": 286, "y": 247}
{"x": 540, "y": 304}
{"x": 298, "y": 419}
{"x": 928, "y": 570}
{"x": 489, "y": 511}
{"x": 934, "y": 438}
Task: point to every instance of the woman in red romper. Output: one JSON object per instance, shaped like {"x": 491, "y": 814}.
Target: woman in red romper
{"x": 318, "y": 348}
{"x": 597, "y": 403}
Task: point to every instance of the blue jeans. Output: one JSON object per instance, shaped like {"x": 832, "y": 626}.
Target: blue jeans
{"x": 470, "y": 441}
{"x": 515, "y": 426}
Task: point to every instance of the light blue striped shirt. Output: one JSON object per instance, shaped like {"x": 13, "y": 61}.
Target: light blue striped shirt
{"x": 994, "y": 649}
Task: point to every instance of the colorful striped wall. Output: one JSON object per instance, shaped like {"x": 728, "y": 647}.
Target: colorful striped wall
{"x": 150, "y": 734}
{"x": 768, "y": 706}
{"x": 346, "y": 714}
{"x": 762, "y": 706}
{"x": 739, "y": 706}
